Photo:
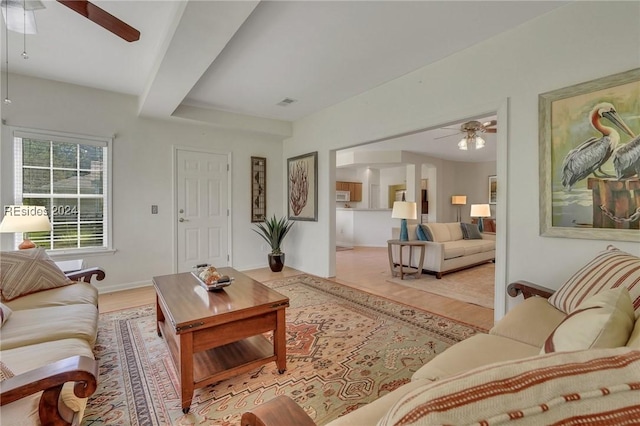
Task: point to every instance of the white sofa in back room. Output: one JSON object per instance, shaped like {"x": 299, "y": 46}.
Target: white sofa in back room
{"x": 448, "y": 251}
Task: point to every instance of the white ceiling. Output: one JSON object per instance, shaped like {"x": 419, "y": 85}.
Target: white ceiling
{"x": 246, "y": 56}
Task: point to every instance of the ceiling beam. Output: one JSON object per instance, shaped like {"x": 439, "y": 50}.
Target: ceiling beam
{"x": 202, "y": 30}
{"x": 224, "y": 119}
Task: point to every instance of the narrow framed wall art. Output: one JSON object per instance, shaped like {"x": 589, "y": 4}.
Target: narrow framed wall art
{"x": 258, "y": 189}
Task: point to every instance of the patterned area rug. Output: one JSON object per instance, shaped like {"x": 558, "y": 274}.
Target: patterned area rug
{"x": 345, "y": 348}
{"x": 474, "y": 285}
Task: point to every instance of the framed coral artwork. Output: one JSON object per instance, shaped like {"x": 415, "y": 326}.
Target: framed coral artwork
{"x": 302, "y": 187}
{"x": 590, "y": 159}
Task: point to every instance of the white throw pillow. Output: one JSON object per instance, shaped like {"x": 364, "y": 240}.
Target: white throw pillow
{"x": 5, "y": 313}
{"x": 605, "y": 320}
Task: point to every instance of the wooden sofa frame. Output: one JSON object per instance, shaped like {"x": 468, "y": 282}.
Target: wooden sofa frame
{"x": 50, "y": 378}
{"x": 282, "y": 410}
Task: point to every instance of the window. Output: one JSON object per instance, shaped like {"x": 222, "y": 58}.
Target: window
{"x": 69, "y": 175}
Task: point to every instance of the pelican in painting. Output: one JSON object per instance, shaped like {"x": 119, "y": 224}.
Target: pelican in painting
{"x": 626, "y": 159}
{"x": 590, "y": 155}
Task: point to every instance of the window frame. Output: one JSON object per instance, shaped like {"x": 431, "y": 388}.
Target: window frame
{"x": 18, "y": 133}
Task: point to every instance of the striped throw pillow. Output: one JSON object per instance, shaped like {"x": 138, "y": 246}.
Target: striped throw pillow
{"x": 24, "y": 272}
{"x": 609, "y": 269}
{"x": 591, "y": 387}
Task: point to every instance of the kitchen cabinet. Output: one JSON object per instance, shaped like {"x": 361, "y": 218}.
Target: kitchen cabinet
{"x": 354, "y": 188}
{"x": 342, "y": 186}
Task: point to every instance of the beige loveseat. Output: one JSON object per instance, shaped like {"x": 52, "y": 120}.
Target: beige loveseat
{"x": 506, "y": 374}
{"x": 46, "y": 342}
{"x": 449, "y": 251}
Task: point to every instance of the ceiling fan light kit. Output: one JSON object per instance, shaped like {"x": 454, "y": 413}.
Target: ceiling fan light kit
{"x": 471, "y": 137}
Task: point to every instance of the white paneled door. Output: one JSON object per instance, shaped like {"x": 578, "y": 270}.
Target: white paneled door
{"x": 202, "y": 209}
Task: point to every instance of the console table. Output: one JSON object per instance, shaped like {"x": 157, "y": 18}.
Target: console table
{"x": 400, "y": 268}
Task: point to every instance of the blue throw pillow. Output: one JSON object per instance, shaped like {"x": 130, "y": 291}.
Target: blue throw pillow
{"x": 470, "y": 231}
{"x": 423, "y": 233}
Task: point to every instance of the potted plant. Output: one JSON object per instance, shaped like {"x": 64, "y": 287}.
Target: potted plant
{"x": 273, "y": 232}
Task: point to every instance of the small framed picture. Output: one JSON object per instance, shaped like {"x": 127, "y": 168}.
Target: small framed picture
{"x": 493, "y": 184}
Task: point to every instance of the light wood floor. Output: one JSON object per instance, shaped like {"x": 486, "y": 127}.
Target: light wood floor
{"x": 363, "y": 268}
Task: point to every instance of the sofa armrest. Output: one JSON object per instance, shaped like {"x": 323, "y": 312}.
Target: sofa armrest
{"x": 528, "y": 289}
{"x": 86, "y": 275}
{"x": 281, "y": 410}
{"x": 488, "y": 235}
{"x": 50, "y": 379}
{"x": 433, "y": 256}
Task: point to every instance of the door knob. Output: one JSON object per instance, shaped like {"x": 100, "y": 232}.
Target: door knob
{"x": 182, "y": 220}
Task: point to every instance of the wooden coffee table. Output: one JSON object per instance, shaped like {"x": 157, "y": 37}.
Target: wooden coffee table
{"x": 214, "y": 335}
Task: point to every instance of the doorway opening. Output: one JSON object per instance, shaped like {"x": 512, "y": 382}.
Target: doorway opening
{"x": 439, "y": 170}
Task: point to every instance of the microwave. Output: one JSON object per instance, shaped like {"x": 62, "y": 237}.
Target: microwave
{"x": 343, "y": 196}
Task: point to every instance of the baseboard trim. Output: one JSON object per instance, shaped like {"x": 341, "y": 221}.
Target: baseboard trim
{"x": 251, "y": 267}
{"x": 120, "y": 287}
{"x": 138, "y": 284}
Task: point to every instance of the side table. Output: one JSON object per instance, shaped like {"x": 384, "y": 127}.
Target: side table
{"x": 406, "y": 270}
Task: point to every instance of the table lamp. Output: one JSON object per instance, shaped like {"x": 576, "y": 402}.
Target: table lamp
{"x": 480, "y": 211}
{"x": 404, "y": 210}
{"x": 25, "y": 219}
{"x": 458, "y": 200}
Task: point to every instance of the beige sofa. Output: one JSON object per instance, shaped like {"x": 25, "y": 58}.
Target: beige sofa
{"x": 46, "y": 350}
{"x": 505, "y": 370}
{"x": 449, "y": 251}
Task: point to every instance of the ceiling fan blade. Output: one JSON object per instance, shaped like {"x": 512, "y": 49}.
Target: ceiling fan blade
{"x": 489, "y": 123}
{"x": 103, "y": 18}
{"x": 490, "y": 130}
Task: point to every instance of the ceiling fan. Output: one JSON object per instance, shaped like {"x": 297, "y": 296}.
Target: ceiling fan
{"x": 473, "y": 129}
{"x": 18, "y": 12}
{"x": 103, "y": 18}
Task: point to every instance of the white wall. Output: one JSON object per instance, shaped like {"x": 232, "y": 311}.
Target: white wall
{"x": 472, "y": 180}
{"x": 142, "y": 172}
{"x": 575, "y": 43}
{"x": 391, "y": 176}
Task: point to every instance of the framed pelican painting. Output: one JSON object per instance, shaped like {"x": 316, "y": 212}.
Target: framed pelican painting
{"x": 590, "y": 159}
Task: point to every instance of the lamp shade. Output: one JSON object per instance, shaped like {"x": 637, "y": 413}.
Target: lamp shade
{"x": 480, "y": 210}
{"x": 25, "y": 219}
{"x": 459, "y": 200}
{"x": 404, "y": 210}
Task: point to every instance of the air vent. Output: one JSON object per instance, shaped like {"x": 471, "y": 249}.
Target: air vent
{"x": 286, "y": 102}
